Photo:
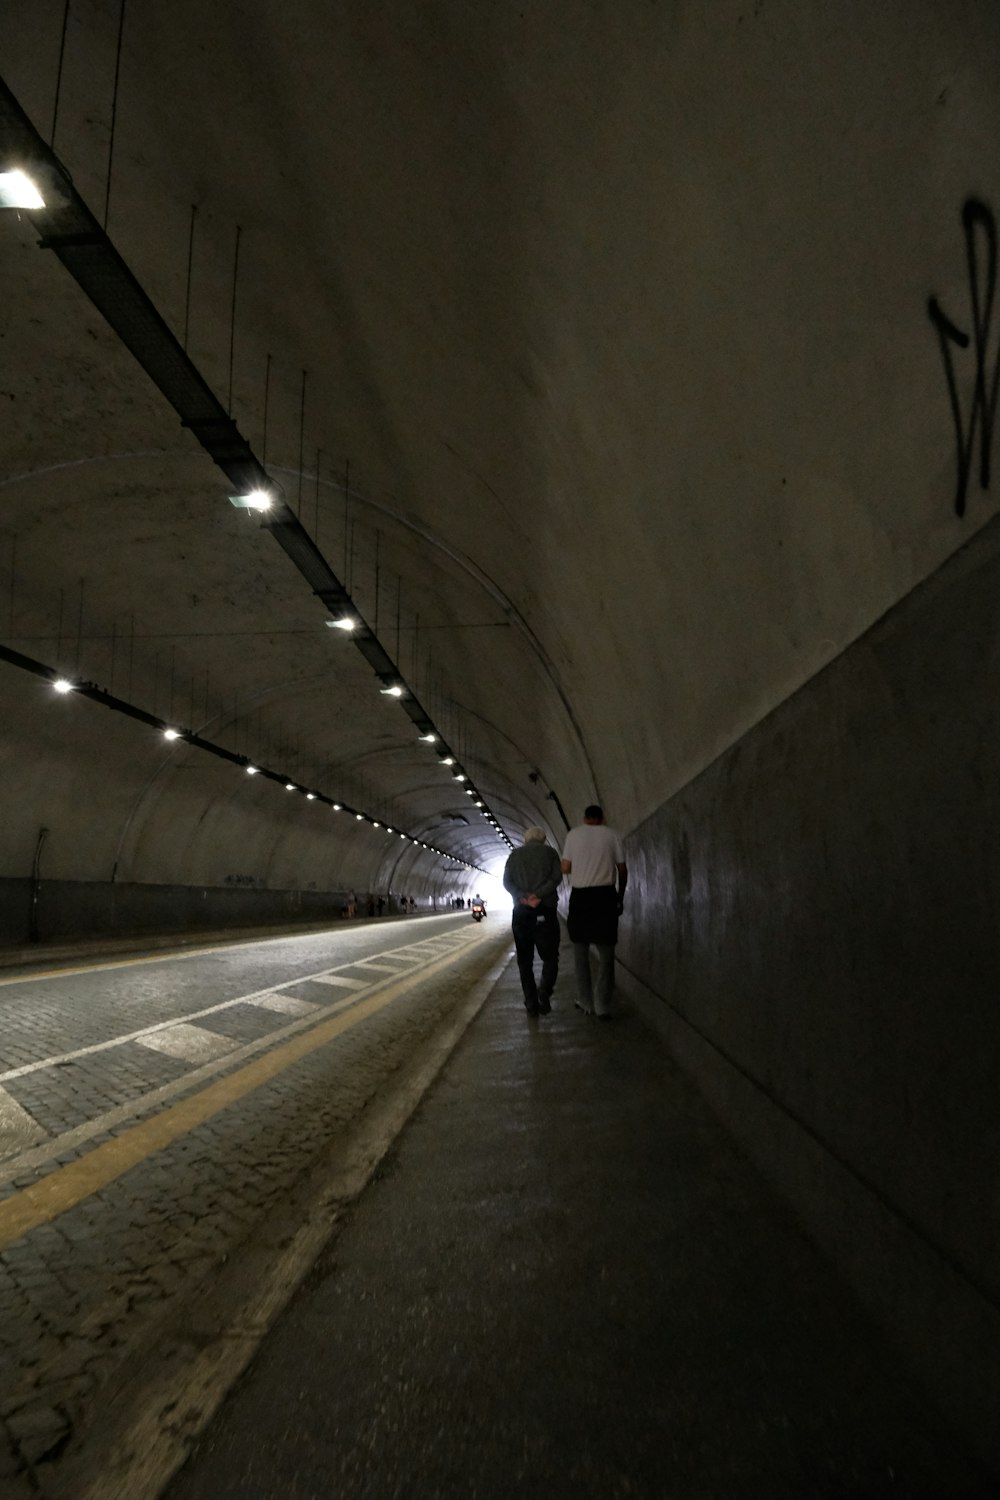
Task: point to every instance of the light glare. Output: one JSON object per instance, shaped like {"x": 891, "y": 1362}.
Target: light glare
{"x": 171, "y": 734}
{"x": 18, "y": 191}
{"x": 344, "y": 623}
{"x": 63, "y": 685}
{"x": 252, "y": 770}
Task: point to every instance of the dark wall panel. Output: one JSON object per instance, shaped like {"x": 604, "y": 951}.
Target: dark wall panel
{"x": 814, "y": 923}
{"x": 68, "y": 909}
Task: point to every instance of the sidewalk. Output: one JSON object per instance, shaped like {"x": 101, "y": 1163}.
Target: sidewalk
{"x": 566, "y": 1281}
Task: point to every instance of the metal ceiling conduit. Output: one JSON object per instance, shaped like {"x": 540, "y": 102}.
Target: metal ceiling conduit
{"x": 69, "y": 229}
{"x": 95, "y": 694}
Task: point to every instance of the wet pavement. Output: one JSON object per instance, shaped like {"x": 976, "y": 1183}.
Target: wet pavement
{"x": 565, "y": 1280}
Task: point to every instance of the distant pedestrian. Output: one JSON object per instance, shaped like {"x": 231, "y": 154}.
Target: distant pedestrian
{"x": 593, "y": 857}
{"x": 532, "y": 875}
{"x": 352, "y": 904}
{"x": 370, "y": 907}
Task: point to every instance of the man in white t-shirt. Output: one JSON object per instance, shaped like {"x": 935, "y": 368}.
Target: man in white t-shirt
{"x": 594, "y": 860}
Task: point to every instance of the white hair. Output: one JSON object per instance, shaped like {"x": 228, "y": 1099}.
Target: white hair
{"x": 534, "y": 835}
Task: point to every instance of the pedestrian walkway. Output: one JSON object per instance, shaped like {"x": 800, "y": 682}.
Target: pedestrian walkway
{"x": 566, "y": 1281}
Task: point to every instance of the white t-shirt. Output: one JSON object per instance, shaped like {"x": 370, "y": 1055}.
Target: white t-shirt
{"x": 593, "y": 850}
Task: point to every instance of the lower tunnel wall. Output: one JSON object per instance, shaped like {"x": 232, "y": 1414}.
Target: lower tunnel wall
{"x": 75, "y": 909}
{"x": 814, "y": 928}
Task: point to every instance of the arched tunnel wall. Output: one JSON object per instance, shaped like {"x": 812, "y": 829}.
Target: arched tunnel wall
{"x": 650, "y": 333}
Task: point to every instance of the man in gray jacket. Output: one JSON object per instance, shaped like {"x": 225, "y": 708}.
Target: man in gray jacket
{"x": 532, "y": 875}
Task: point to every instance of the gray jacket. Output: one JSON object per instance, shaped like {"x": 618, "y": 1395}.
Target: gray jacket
{"x": 533, "y": 870}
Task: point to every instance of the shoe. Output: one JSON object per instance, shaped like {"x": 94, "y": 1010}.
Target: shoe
{"x": 544, "y": 1007}
{"x": 584, "y": 1008}
{"x": 531, "y": 1010}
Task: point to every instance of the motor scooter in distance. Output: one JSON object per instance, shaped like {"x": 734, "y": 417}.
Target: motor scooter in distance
{"x": 478, "y": 910}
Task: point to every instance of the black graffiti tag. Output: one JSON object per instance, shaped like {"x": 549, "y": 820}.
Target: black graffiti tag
{"x": 981, "y": 258}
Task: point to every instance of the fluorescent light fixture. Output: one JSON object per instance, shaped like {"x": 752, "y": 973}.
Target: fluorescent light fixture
{"x": 479, "y": 804}
{"x": 360, "y": 817}
{"x": 392, "y": 692}
{"x": 460, "y": 776}
{"x": 63, "y": 685}
{"x": 428, "y": 739}
{"x": 252, "y": 770}
{"x": 344, "y": 623}
{"x": 289, "y": 786}
{"x": 447, "y": 760}
{"x": 310, "y": 796}
{"x": 337, "y": 807}
{"x": 171, "y": 734}
{"x": 18, "y": 191}
{"x": 375, "y": 825}
{"x": 253, "y": 500}
{"x": 388, "y": 829}
{"x": 402, "y": 835}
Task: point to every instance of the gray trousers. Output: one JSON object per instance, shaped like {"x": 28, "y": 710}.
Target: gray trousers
{"x": 598, "y": 1001}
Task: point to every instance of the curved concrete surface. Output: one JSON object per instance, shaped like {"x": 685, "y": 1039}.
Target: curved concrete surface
{"x": 646, "y": 418}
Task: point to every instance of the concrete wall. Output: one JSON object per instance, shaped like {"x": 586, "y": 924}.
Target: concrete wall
{"x": 815, "y": 924}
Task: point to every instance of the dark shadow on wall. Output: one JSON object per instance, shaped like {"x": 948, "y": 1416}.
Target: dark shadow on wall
{"x": 63, "y": 909}
{"x": 820, "y": 942}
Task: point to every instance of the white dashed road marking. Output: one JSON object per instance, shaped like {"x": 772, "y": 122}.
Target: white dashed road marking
{"x": 18, "y": 1129}
{"x": 189, "y": 1043}
{"x": 347, "y": 984}
{"x": 286, "y": 1005}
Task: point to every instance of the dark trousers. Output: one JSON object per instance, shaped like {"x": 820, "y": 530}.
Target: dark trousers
{"x": 536, "y": 928}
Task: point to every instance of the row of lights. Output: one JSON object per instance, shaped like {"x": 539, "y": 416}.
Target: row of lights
{"x": 18, "y": 191}
{"x": 64, "y": 685}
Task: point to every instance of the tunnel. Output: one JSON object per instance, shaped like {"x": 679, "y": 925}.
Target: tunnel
{"x": 422, "y": 421}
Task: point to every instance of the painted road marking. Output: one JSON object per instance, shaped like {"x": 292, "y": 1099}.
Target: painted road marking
{"x": 121, "y": 1115}
{"x": 17, "y": 1128}
{"x": 286, "y": 1005}
{"x": 188, "y": 1043}
{"x": 174, "y": 955}
{"x": 347, "y": 984}
{"x": 367, "y": 963}
{"x": 76, "y": 1180}
{"x": 324, "y": 976}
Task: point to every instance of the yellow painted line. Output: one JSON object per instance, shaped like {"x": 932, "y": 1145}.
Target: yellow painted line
{"x": 77, "y": 1180}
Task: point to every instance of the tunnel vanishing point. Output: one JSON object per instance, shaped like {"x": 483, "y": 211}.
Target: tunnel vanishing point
{"x": 421, "y": 420}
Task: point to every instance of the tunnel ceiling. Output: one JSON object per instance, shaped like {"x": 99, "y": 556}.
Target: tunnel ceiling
{"x": 597, "y": 426}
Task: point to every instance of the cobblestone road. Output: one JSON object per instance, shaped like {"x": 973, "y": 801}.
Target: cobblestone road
{"x": 102, "y": 1233}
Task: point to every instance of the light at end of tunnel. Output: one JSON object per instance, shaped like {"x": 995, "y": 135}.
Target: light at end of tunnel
{"x": 394, "y": 691}
{"x": 252, "y": 770}
{"x": 18, "y": 191}
{"x": 344, "y": 623}
{"x": 171, "y": 734}
{"x": 428, "y": 739}
{"x": 63, "y": 685}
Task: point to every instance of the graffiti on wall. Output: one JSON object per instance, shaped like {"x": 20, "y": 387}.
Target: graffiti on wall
{"x": 974, "y": 415}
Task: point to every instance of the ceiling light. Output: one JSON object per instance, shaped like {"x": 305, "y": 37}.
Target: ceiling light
{"x": 336, "y": 807}
{"x": 375, "y": 825}
{"x": 479, "y": 804}
{"x": 447, "y": 760}
{"x": 252, "y": 770}
{"x": 344, "y": 623}
{"x": 395, "y": 691}
{"x": 428, "y": 739}
{"x": 289, "y": 786}
{"x": 310, "y": 796}
{"x": 460, "y": 776}
{"x": 171, "y": 734}
{"x": 63, "y": 685}
{"x": 18, "y": 191}
{"x": 359, "y": 817}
